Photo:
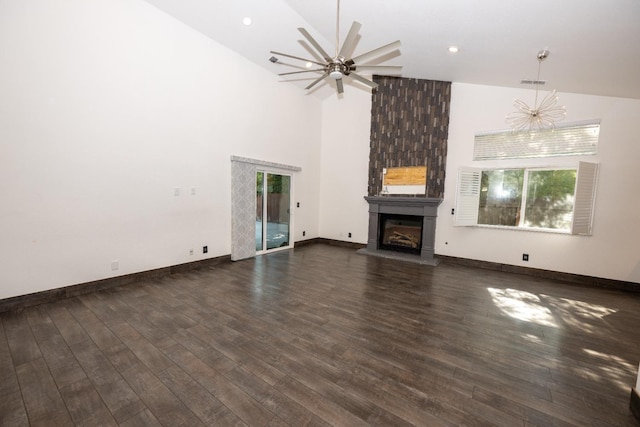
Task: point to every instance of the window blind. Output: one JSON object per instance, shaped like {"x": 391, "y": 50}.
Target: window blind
{"x": 569, "y": 140}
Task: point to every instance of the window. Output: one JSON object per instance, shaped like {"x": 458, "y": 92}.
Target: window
{"x": 500, "y": 197}
{"x": 536, "y": 199}
{"x": 572, "y": 139}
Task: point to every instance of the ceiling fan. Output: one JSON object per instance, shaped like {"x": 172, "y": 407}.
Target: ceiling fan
{"x": 338, "y": 66}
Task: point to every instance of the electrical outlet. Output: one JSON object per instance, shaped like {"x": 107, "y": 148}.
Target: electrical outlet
{"x": 298, "y": 205}
{"x": 190, "y": 251}
{"x": 304, "y": 233}
{"x": 525, "y": 257}
{"x": 349, "y": 234}
{"x": 115, "y": 265}
{"x": 453, "y": 211}
{"x": 205, "y": 249}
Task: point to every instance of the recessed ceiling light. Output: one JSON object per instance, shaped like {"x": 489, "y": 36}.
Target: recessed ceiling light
{"x": 246, "y": 21}
{"x": 453, "y": 49}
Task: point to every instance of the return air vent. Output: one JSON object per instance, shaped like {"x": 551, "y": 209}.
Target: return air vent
{"x": 533, "y": 82}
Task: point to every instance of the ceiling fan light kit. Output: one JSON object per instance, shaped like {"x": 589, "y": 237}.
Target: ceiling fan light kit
{"x": 541, "y": 116}
{"x": 337, "y": 67}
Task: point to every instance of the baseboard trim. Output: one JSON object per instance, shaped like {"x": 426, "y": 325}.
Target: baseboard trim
{"x": 23, "y": 301}
{"x": 634, "y": 404}
{"x": 332, "y": 242}
{"x": 575, "y": 279}
{"x": 571, "y": 278}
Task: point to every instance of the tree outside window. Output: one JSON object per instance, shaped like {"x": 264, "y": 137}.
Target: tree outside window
{"x": 545, "y": 196}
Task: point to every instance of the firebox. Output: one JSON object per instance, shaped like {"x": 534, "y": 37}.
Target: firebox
{"x": 401, "y": 233}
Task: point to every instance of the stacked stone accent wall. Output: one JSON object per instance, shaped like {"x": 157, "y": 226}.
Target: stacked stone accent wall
{"x": 409, "y": 127}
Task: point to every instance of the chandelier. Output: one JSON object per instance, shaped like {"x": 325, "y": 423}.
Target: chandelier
{"x": 538, "y": 117}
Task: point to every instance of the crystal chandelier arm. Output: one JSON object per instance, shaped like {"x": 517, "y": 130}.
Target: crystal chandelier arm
{"x": 518, "y": 121}
{"x": 522, "y": 106}
{"x": 549, "y": 100}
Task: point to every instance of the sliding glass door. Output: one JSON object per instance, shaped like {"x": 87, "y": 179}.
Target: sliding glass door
{"x": 273, "y": 209}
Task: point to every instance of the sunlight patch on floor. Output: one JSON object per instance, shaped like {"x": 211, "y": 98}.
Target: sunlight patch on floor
{"x": 613, "y": 368}
{"x": 547, "y": 310}
{"x": 579, "y": 314}
{"x": 522, "y": 305}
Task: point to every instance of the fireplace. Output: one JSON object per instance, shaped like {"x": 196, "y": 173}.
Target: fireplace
{"x": 402, "y": 233}
{"x": 402, "y": 228}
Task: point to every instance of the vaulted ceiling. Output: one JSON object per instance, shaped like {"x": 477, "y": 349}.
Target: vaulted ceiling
{"x": 594, "y": 44}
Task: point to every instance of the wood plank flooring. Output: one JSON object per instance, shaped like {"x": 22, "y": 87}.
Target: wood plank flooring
{"x": 323, "y": 336}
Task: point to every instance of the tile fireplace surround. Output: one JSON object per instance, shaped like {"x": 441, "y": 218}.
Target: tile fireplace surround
{"x": 425, "y": 207}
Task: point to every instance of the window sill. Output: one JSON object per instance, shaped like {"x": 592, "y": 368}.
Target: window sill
{"x": 532, "y": 229}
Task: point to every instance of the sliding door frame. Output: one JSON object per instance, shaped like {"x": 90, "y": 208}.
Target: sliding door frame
{"x": 265, "y": 208}
{"x": 243, "y": 203}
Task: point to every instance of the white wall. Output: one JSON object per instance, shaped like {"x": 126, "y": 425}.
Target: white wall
{"x": 106, "y": 107}
{"x": 611, "y": 252}
{"x": 346, "y": 126}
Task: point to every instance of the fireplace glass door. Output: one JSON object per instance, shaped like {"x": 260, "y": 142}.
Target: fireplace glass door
{"x": 402, "y": 233}
{"x": 273, "y": 208}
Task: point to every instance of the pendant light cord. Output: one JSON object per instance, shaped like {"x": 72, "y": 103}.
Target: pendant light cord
{"x": 337, "y": 28}
{"x": 535, "y": 102}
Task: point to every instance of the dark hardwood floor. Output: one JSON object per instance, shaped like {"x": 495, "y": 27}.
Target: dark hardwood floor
{"x": 323, "y": 336}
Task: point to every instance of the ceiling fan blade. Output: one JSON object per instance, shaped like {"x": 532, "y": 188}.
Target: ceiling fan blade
{"x": 349, "y": 42}
{"x": 297, "y": 57}
{"x": 315, "y": 44}
{"x": 315, "y": 82}
{"x": 376, "y": 52}
{"x": 361, "y": 79}
{"x": 382, "y": 69}
{"x": 299, "y": 72}
{"x": 340, "y": 86}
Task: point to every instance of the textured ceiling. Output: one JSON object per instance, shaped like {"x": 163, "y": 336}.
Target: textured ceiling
{"x": 594, "y": 44}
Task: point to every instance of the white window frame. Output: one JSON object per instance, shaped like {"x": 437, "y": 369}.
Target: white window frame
{"x": 468, "y": 199}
